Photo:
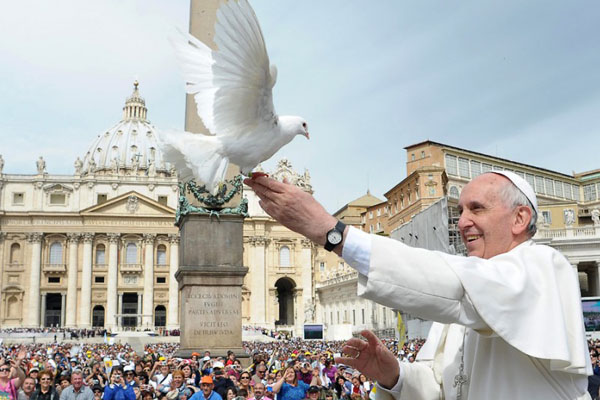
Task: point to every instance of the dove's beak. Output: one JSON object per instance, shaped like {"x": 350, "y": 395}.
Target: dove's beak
{"x": 307, "y": 135}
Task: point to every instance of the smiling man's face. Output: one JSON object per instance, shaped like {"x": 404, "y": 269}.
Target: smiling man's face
{"x": 486, "y": 222}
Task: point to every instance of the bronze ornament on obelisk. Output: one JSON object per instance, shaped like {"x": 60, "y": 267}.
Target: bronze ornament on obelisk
{"x": 210, "y": 271}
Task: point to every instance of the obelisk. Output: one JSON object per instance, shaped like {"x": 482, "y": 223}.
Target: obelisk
{"x": 211, "y": 270}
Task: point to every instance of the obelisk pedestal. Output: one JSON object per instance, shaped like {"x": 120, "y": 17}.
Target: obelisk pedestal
{"x": 210, "y": 280}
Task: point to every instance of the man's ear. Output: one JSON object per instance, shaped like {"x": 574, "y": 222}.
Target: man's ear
{"x": 523, "y": 216}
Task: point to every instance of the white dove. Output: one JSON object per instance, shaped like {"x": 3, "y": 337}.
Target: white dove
{"x": 232, "y": 87}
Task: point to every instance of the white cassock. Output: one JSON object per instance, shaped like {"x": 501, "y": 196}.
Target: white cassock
{"x": 518, "y": 314}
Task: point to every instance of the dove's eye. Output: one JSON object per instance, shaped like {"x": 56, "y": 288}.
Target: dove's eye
{"x": 304, "y": 125}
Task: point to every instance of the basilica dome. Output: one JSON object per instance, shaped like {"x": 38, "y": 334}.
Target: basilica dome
{"x": 128, "y": 148}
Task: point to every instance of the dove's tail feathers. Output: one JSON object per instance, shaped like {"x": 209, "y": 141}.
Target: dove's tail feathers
{"x": 195, "y": 156}
{"x": 196, "y": 61}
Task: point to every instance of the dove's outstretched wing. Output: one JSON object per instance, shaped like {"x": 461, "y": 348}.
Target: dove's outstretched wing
{"x": 232, "y": 85}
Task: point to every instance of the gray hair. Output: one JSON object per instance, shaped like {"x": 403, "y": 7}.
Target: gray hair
{"x": 512, "y": 198}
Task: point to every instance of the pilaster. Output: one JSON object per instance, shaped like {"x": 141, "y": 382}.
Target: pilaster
{"x": 34, "y": 316}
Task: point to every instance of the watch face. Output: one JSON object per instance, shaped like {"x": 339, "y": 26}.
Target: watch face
{"x": 334, "y": 237}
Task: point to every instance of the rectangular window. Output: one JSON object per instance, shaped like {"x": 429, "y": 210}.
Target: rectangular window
{"x": 463, "y": 168}
{"x": 363, "y": 315}
{"x": 539, "y": 184}
{"x": 161, "y": 279}
{"x": 384, "y": 317}
{"x": 370, "y": 214}
{"x": 576, "y": 193}
{"x": 558, "y": 189}
{"x": 589, "y": 192}
{"x": 58, "y": 198}
{"x": 322, "y": 266}
{"x": 549, "y": 187}
{"x": 412, "y": 157}
{"x": 521, "y": 174}
{"x": 422, "y": 154}
{"x": 379, "y": 212}
{"x": 451, "y": 166}
{"x": 345, "y": 316}
{"x": 547, "y": 216}
{"x": 378, "y": 227}
{"x": 98, "y": 279}
{"x": 531, "y": 180}
{"x": 486, "y": 168}
{"x": 18, "y": 199}
{"x": 101, "y": 198}
{"x": 353, "y": 317}
{"x": 475, "y": 168}
{"x": 338, "y": 317}
{"x": 54, "y": 279}
{"x": 163, "y": 200}
{"x": 568, "y": 191}
{"x": 498, "y": 168}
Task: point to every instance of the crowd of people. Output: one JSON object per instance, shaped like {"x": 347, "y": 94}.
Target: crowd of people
{"x": 282, "y": 370}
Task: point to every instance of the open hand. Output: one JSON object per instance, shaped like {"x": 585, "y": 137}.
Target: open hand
{"x": 372, "y": 358}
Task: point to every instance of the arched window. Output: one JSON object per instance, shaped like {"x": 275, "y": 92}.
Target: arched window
{"x": 131, "y": 254}
{"x": 15, "y": 253}
{"x": 98, "y": 316}
{"x": 453, "y": 192}
{"x": 100, "y": 254}
{"x": 284, "y": 256}
{"x": 160, "y": 316}
{"x": 56, "y": 253}
{"x": 13, "y": 309}
{"x": 161, "y": 254}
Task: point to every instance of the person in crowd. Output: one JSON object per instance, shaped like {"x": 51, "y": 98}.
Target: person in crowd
{"x": 189, "y": 375}
{"x": 206, "y": 390}
{"x": 259, "y": 391}
{"x": 290, "y": 388}
{"x": 118, "y": 389}
{"x": 357, "y": 389}
{"x": 33, "y": 373}
{"x": 63, "y": 381}
{"x": 77, "y": 390}
{"x": 313, "y": 393}
{"x": 260, "y": 375}
{"x": 179, "y": 390}
{"x": 340, "y": 388}
{"x": 221, "y": 382}
{"x": 27, "y": 388}
{"x": 244, "y": 382}
{"x": 304, "y": 372}
{"x": 46, "y": 391}
{"x": 231, "y": 393}
{"x": 98, "y": 392}
{"x": 12, "y": 376}
{"x": 129, "y": 374}
{"x": 163, "y": 378}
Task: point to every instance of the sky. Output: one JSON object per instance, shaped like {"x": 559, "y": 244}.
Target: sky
{"x": 513, "y": 79}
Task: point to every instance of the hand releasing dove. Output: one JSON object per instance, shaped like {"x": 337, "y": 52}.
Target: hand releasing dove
{"x": 232, "y": 87}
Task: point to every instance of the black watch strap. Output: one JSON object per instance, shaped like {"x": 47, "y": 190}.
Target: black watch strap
{"x": 340, "y": 227}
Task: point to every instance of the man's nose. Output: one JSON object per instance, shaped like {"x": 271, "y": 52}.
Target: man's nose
{"x": 464, "y": 222}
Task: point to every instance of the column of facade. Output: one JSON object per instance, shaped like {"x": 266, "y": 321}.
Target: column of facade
{"x": 173, "y": 310}
{"x": 148, "y": 303}
{"x": 42, "y": 310}
{"x": 112, "y": 281}
{"x": 120, "y": 311}
{"x": 258, "y": 293}
{"x": 63, "y": 311}
{"x": 33, "y": 320}
{"x": 2, "y": 246}
{"x": 71, "y": 303}
{"x": 306, "y": 270}
{"x": 85, "y": 303}
{"x": 138, "y": 321}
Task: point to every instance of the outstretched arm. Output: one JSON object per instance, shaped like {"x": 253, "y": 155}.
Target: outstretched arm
{"x": 294, "y": 208}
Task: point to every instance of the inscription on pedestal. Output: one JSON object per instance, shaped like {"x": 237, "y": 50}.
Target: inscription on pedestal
{"x": 212, "y": 315}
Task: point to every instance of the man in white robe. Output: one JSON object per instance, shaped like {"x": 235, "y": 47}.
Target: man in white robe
{"x": 509, "y": 320}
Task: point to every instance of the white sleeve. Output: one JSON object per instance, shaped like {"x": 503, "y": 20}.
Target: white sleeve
{"x": 416, "y": 382}
{"x": 357, "y": 250}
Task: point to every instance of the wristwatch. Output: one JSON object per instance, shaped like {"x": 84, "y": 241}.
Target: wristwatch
{"x": 335, "y": 236}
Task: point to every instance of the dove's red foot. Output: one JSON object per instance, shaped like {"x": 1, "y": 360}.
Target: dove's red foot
{"x": 255, "y": 175}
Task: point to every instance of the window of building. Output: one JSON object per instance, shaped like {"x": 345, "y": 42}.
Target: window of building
{"x": 422, "y": 154}
{"x": 378, "y": 226}
{"x": 331, "y": 317}
{"x": 370, "y": 214}
{"x": 549, "y": 187}
{"x": 568, "y": 191}
{"x": 58, "y": 198}
{"x": 18, "y": 199}
{"x": 345, "y": 316}
{"x": 338, "y": 317}
{"x": 163, "y": 200}
{"x": 161, "y": 254}
{"x": 530, "y": 179}
{"x": 547, "y": 215}
{"x": 54, "y": 279}
{"x": 131, "y": 254}
{"x": 379, "y": 212}
{"x": 284, "y": 256}
{"x": 539, "y": 184}
{"x": 161, "y": 279}
{"x": 15, "y": 253}
{"x": 100, "y": 254}
{"x": 322, "y": 266}
{"x": 589, "y": 192}
{"x": 498, "y": 168}
{"x": 558, "y": 189}
{"x": 486, "y": 168}
{"x": 160, "y": 316}
{"x": 451, "y": 166}
{"x": 371, "y": 229}
{"x": 363, "y": 315}
{"x": 576, "y": 193}
{"x": 353, "y": 317}
{"x": 475, "y": 168}
{"x": 384, "y": 316}
{"x": 412, "y": 157}
{"x": 463, "y": 168}
{"x": 453, "y": 192}
{"x": 101, "y": 198}
{"x": 56, "y": 253}
{"x": 98, "y": 279}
